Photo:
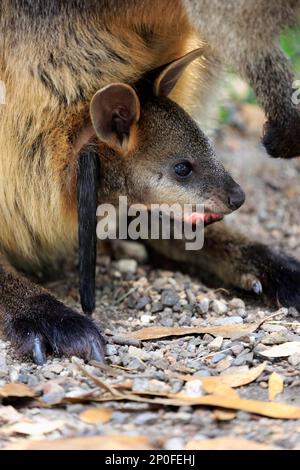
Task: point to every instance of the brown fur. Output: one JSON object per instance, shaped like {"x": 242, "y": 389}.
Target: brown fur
{"x": 54, "y": 56}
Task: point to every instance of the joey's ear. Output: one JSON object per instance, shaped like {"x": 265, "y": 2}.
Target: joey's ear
{"x": 170, "y": 75}
{"x": 115, "y": 111}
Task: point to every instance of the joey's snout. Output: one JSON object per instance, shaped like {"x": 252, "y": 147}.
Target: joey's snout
{"x": 236, "y": 197}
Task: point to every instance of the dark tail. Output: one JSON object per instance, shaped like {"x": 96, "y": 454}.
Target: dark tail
{"x": 87, "y": 190}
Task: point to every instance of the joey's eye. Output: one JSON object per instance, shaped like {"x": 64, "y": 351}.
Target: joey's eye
{"x": 183, "y": 169}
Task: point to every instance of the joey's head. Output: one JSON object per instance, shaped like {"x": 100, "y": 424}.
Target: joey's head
{"x": 153, "y": 152}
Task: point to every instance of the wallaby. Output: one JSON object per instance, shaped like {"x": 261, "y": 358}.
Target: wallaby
{"x": 244, "y": 35}
{"x": 84, "y": 80}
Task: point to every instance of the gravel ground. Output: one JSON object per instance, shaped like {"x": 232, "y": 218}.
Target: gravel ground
{"x": 132, "y": 295}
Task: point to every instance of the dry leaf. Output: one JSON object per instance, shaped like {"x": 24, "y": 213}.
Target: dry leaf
{"x": 231, "y": 380}
{"x": 224, "y": 415}
{"x": 16, "y": 391}
{"x": 284, "y": 350}
{"x": 96, "y": 415}
{"x": 113, "y": 442}
{"x": 219, "y": 389}
{"x": 227, "y": 443}
{"x": 33, "y": 429}
{"x": 270, "y": 410}
{"x": 228, "y": 331}
{"x": 276, "y": 386}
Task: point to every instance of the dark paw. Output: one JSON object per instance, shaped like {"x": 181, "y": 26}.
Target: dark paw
{"x": 45, "y": 325}
{"x": 279, "y": 275}
{"x": 282, "y": 142}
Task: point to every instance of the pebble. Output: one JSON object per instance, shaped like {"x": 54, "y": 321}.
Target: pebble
{"x": 176, "y": 443}
{"x": 236, "y": 304}
{"x": 273, "y": 328}
{"x": 157, "y": 307}
{"x": 127, "y": 266}
{"x": 139, "y": 353}
{"x": 193, "y": 389}
{"x": 142, "y": 303}
{"x": 146, "y": 319}
{"x": 145, "y": 418}
{"x": 294, "y": 360}
{"x": 56, "y": 368}
{"x": 3, "y": 367}
{"x": 204, "y": 305}
{"x": 202, "y": 373}
{"x": 169, "y": 298}
{"x": 220, "y": 308}
{"x": 224, "y": 364}
{"x": 218, "y": 358}
{"x": 274, "y": 339}
{"x": 216, "y": 344}
{"x": 141, "y": 385}
{"x": 229, "y": 321}
{"x": 243, "y": 359}
{"x": 167, "y": 322}
{"x": 111, "y": 350}
{"x": 237, "y": 349}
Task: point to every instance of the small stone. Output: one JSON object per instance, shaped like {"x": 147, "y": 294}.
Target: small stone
{"x": 111, "y": 350}
{"x": 204, "y": 305}
{"x": 141, "y": 385}
{"x": 193, "y": 389}
{"x": 229, "y": 321}
{"x": 274, "y": 339}
{"x": 142, "y": 303}
{"x": 294, "y": 360}
{"x": 139, "y": 353}
{"x": 14, "y": 374}
{"x": 167, "y": 322}
{"x": 56, "y": 368}
{"x": 169, "y": 298}
{"x": 157, "y": 307}
{"x": 145, "y": 418}
{"x": 218, "y": 358}
{"x": 3, "y": 367}
{"x": 136, "y": 364}
{"x": 273, "y": 328}
{"x": 237, "y": 304}
{"x": 294, "y": 312}
{"x": 216, "y": 344}
{"x": 224, "y": 364}
{"x": 202, "y": 373}
{"x": 176, "y": 443}
{"x": 146, "y": 319}
{"x": 243, "y": 359}
{"x": 127, "y": 266}
{"x": 220, "y": 308}
{"x": 237, "y": 349}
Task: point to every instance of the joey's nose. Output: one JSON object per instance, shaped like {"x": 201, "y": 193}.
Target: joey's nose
{"x": 236, "y": 198}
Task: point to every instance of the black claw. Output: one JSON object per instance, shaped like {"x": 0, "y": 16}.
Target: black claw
{"x": 39, "y": 352}
{"x": 257, "y": 287}
{"x": 97, "y": 353}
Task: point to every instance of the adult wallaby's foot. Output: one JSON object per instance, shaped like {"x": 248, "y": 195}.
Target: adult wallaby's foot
{"x": 36, "y": 323}
{"x": 241, "y": 263}
{"x": 282, "y": 142}
{"x": 278, "y": 273}
{"x": 46, "y": 325}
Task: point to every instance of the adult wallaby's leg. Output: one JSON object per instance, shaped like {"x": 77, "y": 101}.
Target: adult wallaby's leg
{"x": 243, "y": 35}
{"x": 35, "y": 322}
{"x": 239, "y": 262}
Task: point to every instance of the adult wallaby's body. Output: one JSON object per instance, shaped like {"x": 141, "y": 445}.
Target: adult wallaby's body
{"x": 54, "y": 58}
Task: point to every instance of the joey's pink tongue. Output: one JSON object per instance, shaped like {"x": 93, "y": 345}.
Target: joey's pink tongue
{"x": 198, "y": 217}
